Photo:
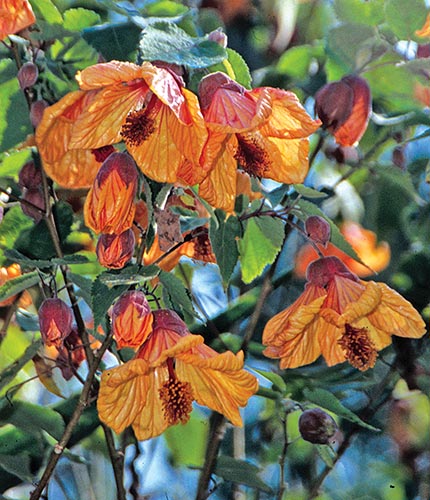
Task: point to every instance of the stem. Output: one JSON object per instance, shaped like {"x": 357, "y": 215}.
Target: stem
{"x": 282, "y": 459}
{"x": 317, "y": 149}
{"x": 117, "y": 460}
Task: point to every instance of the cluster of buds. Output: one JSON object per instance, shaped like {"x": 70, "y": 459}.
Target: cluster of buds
{"x": 33, "y": 201}
{"x": 110, "y": 208}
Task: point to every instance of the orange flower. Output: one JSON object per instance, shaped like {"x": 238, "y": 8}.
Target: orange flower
{"x": 75, "y": 168}
{"x": 115, "y": 250}
{"x": 340, "y": 317}
{"x": 425, "y": 30}
{"x": 131, "y": 319}
{"x": 146, "y": 107}
{"x": 265, "y": 130}
{"x": 363, "y": 241}
{"x": 8, "y": 273}
{"x": 171, "y": 370}
{"x": 15, "y": 15}
{"x": 109, "y": 207}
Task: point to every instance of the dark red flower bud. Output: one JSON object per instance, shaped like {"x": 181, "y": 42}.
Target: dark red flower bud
{"x": 219, "y": 37}
{"x": 423, "y": 50}
{"x": 344, "y": 107}
{"x": 70, "y": 355}
{"x": 27, "y": 75}
{"x": 36, "y": 112}
{"x": 317, "y": 426}
{"x": 321, "y": 271}
{"x": 30, "y": 176}
{"x": 131, "y": 319}
{"x": 318, "y": 229}
{"x": 35, "y": 197}
{"x": 55, "y": 321}
{"x": 114, "y": 251}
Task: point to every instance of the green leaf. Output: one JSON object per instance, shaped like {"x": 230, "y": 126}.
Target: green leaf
{"x": 404, "y": 18}
{"x": 84, "y": 286}
{"x": 167, "y": 42}
{"x": 18, "y": 284}
{"x": 166, "y": 8}
{"x": 10, "y": 228}
{"x": 32, "y": 418}
{"x": 327, "y": 454}
{"x": 18, "y": 465}
{"x": 329, "y": 401}
{"x": 223, "y": 237}
{"x": 176, "y": 295}
{"x": 260, "y": 245}
{"x": 351, "y": 11}
{"x": 12, "y": 162}
{"x": 27, "y": 262}
{"x": 47, "y": 10}
{"x": 397, "y": 177}
{"x": 78, "y": 19}
{"x": 131, "y": 275}
{"x": 240, "y": 472}
{"x": 10, "y": 372}
{"x": 118, "y": 41}
{"x": 308, "y": 192}
{"x": 241, "y": 71}
{"x": 277, "y": 381}
{"x": 102, "y": 298}
{"x": 295, "y": 61}
{"x": 14, "y": 441}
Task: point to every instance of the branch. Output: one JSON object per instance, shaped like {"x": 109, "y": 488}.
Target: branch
{"x": 117, "y": 460}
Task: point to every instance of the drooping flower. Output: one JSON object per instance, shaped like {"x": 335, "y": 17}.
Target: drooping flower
{"x": 15, "y": 15}
{"x": 265, "y": 130}
{"x": 148, "y": 108}
{"x": 373, "y": 254}
{"x": 109, "y": 207}
{"x": 55, "y": 320}
{"x": 171, "y": 370}
{"x": 344, "y": 107}
{"x": 131, "y": 319}
{"x": 115, "y": 250}
{"x": 70, "y": 168}
{"x": 341, "y": 317}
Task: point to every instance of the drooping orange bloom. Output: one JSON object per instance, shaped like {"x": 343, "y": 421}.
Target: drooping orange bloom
{"x": 109, "y": 207}
{"x": 425, "y": 30}
{"x": 8, "y": 273}
{"x": 265, "y": 130}
{"x": 70, "y": 168}
{"x": 373, "y": 254}
{"x": 131, "y": 319}
{"x": 15, "y": 15}
{"x": 115, "y": 250}
{"x": 341, "y": 317}
{"x": 171, "y": 370}
{"x": 148, "y": 108}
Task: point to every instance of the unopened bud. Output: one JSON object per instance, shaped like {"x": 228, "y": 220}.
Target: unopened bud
{"x": 317, "y": 426}
{"x": 131, "y": 319}
{"x": 35, "y": 197}
{"x": 55, "y": 321}
{"x": 70, "y": 355}
{"x": 318, "y": 229}
{"x": 30, "y": 176}
{"x": 36, "y": 112}
{"x": 423, "y": 50}
{"x": 399, "y": 158}
{"x": 27, "y": 75}
{"x": 219, "y": 37}
{"x": 321, "y": 271}
{"x": 114, "y": 251}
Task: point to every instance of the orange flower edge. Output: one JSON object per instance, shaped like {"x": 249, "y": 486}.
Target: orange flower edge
{"x": 15, "y": 15}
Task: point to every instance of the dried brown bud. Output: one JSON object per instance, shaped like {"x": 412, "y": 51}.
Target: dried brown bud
{"x": 36, "y": 112}
{"x": 317, "y": 426}
{"x": 114, "y": 251}
{"x": 55, "y": 321}
{"x": 27, "y": 75}
{"x": 30, "y": 176}
{"x": 35, "y": 197}
{"x": 318, "y": 229}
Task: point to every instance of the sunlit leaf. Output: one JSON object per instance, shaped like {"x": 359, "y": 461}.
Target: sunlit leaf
{"x": 78, "y": 19}
{"x": 10, "y": 372}
{"x": 308, "y": 192}
{"x": 18, "y": 284}
{"x": 352, "y": 11}
{"x": 47, "y": 10}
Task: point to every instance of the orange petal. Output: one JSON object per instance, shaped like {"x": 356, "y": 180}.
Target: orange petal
{"x": 112, "y": 73}
{"x": 15, "y": 15}
{"x": 425, "y": 30}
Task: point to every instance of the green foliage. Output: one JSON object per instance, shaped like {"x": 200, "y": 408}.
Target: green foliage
{"x": 241, "y": 472}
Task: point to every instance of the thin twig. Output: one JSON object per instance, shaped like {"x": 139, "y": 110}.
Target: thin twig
{"x": 117, "y": 460}
{"x": 282, "y": 459}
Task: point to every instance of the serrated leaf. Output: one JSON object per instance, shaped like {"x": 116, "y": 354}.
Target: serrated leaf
{"x": 32, "y": 418}
{"x": 18, "y": 284}
{"x": 241, "y": 71}
{"x": 405, "y": 18}
{"x": 308, "y": 192}
{"x": 277, "y": 381}
{"x": 330, "y": 402}
{"x": 260, "y": 245}
{"x": 10, "y": 228}
{"x": 176, "y": 295}
{"x": 79, "y": 18}
{"x": 84, "y": 286}
{"x": 10, "y": 372}
{"x": 131, "y": 275}
{"x": 240, "y": 472}
{"x": 370, "y": 13}
{"x": 102, "y": 298}
{"x": 18, "y": 257}
{"x": 223, "y": 237}
{"x": 116, "y": 41}
{"x": 47, "y": 10}
{"x": 167, "y": 42}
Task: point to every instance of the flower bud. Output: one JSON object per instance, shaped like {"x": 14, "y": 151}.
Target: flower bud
{"x": 27, "y": 75}
{"x": 109, "y": 207}
{"x": 219, "y": 37}
{"x": 131, "y": 319}
{"x": 344, "y": 108}
{"x": 423, "y": 50}
{"x": 321, "y": 271}
{"x": 317, "y": 426}
{"x": 318, "y": 229}
{"x": 114, "y": 251}
{"x": 29, "y": 176}
{"x": 399, "y": 157}
{"x": 70, "y": 355}
{"x": 36, "y": 112}
{"x": 35, "y": 197}
{"x": 55, "y": 321}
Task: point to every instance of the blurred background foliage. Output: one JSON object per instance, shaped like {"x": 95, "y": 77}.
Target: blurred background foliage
{"x": 382, "y": 448}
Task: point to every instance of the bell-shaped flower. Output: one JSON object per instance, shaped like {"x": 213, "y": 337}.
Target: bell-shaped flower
{"x": 148, "y": 108}
{"x": 265, "y": 130}
{"x": 70, "y": 168}
{"x": 15, "y": 15}
{"x": 55, "y": 321}
{"x": 115, "y": 250}
{"x": 172, "y": 369}
{"x": 110, "y": 205}
{"x": 341, "y": 317}
{"x": 131, "y": 319}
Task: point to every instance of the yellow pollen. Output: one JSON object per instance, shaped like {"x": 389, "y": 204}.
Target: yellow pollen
{"x": 251, "y": 156}
{"x": 138, "y": 126}
{"x": 176, "y": 399}
{"x": 359, "y": 350}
